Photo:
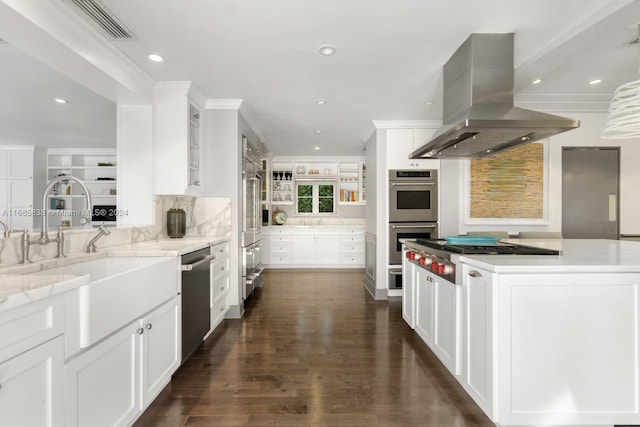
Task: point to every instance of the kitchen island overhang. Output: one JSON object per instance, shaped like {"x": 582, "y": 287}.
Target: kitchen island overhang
{"x": 548, "y": 340}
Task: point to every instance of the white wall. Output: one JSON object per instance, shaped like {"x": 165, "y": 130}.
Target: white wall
{"x": 588, "y": 135}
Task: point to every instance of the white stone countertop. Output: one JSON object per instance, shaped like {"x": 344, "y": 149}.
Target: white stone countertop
{"x": 576, "y": 256}
{"x": 18, "y": 286}
{"x": 20, "y": 289}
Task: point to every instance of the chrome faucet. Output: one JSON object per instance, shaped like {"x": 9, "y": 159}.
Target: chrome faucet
{"x": 91, "y": 246}
{"x": 44, "y": 233}
{"x": 6, "y": 229}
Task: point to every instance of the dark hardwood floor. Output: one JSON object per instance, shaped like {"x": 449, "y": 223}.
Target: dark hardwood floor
{"x": 314, "y": 349}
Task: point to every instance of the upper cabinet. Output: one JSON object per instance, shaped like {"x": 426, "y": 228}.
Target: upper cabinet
{"x": 401, "y": 143}
{"x": 178, "y": 111}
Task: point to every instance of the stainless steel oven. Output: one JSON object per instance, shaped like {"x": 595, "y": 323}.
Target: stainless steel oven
{"x": 408, "y": 230}
{"x": 413, "y": 195}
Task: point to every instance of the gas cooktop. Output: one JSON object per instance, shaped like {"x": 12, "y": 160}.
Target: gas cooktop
{"x": 499, "y": 248}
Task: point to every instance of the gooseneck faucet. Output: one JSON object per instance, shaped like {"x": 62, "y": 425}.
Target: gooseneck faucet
{"x": 44, "y": 235}
{"x": 91, "y": 246}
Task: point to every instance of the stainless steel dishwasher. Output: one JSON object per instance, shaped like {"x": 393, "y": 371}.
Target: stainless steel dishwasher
{"x": 196, "y": 298}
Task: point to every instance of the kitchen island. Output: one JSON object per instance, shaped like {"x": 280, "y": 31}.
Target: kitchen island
{"x": 539, "y": 340}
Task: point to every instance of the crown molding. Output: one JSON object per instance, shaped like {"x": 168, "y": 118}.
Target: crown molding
{"x": 406, "y": 124}
{"x": 253, "y": 124}
{"x": 223, "y": 104}
{"x": 368, "y": 130}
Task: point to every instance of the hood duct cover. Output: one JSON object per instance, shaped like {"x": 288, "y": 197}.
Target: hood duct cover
{"x": 479, "y": 118}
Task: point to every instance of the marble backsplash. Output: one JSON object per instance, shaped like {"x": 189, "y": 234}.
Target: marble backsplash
{"x": 206, "y": 217}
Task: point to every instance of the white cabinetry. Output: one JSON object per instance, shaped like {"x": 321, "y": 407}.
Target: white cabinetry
{"x": 401, "y": 142}
{"x": 111, "y": 383}
{"x": 477, "y": 337}
{"x": 95, "y": 167}
{"x": 219, "y": 283}
{"x": 352, "y": 246}
{"x": 424, "y": 285}
{"x": 352, "y": 183}
{"x": 20, "y": 186}
{"x": 32, "y": 364}
{"x": 178, "y": 138}
{"x": 408, "y": 290}
{"x": 315, "y": 246}
{"x": 280, "y": 245}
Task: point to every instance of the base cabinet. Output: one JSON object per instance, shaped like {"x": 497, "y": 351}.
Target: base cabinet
{"x": 32, "y": 387}
{"x": 113, "y": 382}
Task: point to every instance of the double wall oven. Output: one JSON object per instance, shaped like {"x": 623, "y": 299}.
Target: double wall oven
{"x": 413, "y": 213}
{"x": 252, "y": 177}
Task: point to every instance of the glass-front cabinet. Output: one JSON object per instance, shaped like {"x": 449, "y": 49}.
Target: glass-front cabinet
{"x": 194, "y": 146}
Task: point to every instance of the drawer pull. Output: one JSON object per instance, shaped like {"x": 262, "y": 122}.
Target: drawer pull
{"x": 222, "y": 288}
{"x": 222, "y": 308}
{"x": 140, "y": 331}
{"x": 474, "y": 273}
{"x": 148, "y": 326}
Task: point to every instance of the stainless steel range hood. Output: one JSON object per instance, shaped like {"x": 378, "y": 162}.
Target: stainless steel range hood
{"x": 479, "y": 118}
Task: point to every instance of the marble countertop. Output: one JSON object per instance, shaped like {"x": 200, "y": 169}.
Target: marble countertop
{"x": 19, "y": 286}
{"x": 576, "y": 256}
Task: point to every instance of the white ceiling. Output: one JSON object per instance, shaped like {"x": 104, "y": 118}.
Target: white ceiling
{"x": 389, "y": 57}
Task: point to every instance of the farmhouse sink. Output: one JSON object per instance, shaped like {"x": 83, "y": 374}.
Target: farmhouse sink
{"x": 120, "y": 290}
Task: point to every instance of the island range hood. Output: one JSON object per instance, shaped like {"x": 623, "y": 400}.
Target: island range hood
{"x": 479, "y": 118}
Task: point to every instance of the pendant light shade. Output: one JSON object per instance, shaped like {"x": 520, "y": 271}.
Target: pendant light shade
{"x": 624, "y": 113}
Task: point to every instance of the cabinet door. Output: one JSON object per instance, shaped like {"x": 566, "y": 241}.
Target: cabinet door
{"x": 408, "y": 291}
{"x": 160, "y": 351}
{"x": 102, "y": 384}
{"x": 21, "y": 164}
{"x": 327, "y": 250}
{"x": 445, "y": 327}
{"x": 424, "y": 305}
{"x": 32, "y": 387}
{"x": 399, "y": 145}
{"x": 477, "y": 338}
{"x": 21, "y": 193}
{"x": 303, "y": 249}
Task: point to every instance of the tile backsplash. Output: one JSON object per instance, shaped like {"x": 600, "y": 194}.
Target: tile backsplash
{"x": 206, "y": 216}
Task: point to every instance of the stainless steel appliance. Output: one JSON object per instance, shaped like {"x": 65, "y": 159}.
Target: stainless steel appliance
{"x": 413, "y": 196}
{"x": 435, "y": 255}
{"x": 479, "y": 118}
{"x": 252, "y": 268}
{"x": 252, "y": 178}
{"x": 196, "y": 299}
{"x": 408, "y": 230}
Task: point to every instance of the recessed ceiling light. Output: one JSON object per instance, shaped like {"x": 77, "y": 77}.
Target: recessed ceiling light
{"x": 316, "y": 148}
{"x": 320, "y": 101}
{"x": 61, "y": 100}
{"x": 428, "y": 103}
{"x": 155, "y": 57}
{"x": 536, "y": 81}
{"x": 317, "y": 131}
{"x": 327, "y": 50}
{"x": 595, "y": 82}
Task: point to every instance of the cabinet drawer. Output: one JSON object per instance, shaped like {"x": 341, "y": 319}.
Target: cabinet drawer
{"x": 280, "y": 258}
{"x": 352, "y": 238}
{"x": 218, "y": 311}
{"x": 30, "y": 325}
{"x": 352, "y": 232}
{"x": 220, "y": 250}
{"x": 219, "y": 268}
{"x": 219, "y": 287}
{"x": 280, "y": 239}
{"x": 352, "y": 259}
{"x": 348, "y": 248}
{"x": 282, "y": 248}
{"x": 278, "y": 232}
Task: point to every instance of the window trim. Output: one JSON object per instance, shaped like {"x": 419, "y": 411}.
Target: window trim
{"x": 315, "y": 194}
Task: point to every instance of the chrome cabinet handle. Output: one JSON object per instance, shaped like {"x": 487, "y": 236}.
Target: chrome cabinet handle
{"x": 148, "y": 326}
{"x": 221, "y": 308}
{"x": 222, "y": 288}
{"x": 189, "y": 267}
{"x": 139, "y": 331}
{"x": 474, "y": 273}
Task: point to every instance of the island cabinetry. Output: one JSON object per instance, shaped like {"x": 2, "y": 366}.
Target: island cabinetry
{"x": 316, "y": 246}
{"x": 179, "y": 138}
{"x": 219, "y": 283}
{"x": 32, "y": 364}
{"x": 477, "y": 337}
{"x": 118, "y": 377}
{"x": 408, "y": 290}
{"x": 280, "y": 246}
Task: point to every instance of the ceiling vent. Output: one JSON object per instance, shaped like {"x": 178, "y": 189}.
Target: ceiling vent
{"x": 101, "y": 18}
